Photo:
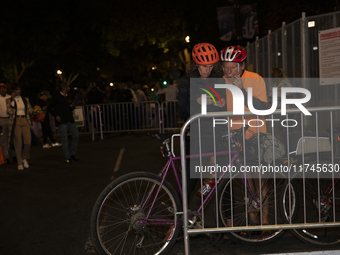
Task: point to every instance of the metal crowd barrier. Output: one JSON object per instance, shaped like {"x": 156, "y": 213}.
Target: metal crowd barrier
{"x": 301, "y": 142}
{"x": 124, "y": 117}
{"x": 169, "y": 116}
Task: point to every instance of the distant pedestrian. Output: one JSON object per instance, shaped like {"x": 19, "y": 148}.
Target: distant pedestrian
{"x": 146, "y": 92}
{"x": 170, "y": 92}
{"x": 45, "y": 124}
{"x": 4, "y": 121}
{"x": 154, "y": 92}
{"x": 280, "y": 81}
{"x": 62, "y": 108}
{"x": 141, "y": 97}
{"x": 20, "y": 111}
{"x": 140, "y": 107}
{"x": 94, "y": 94}
{"x": 79, "y": 97}
{"x": 129, "y": 94}
{"x": 130, "y": 111}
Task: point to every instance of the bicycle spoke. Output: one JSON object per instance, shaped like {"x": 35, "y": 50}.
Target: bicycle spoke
{"x": 242, "y": 206}
{"x": 127, "y": 231}
{"x": 319, "y": 208}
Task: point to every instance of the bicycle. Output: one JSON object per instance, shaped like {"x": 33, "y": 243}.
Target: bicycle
{"x": 321, "y": 197}
{"x": 141, "y": 212}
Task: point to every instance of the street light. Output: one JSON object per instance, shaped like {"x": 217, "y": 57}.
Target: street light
{"x": 187, "y": 39}
{"x": 311, "y": 23}
{"x": 59, "y": 72}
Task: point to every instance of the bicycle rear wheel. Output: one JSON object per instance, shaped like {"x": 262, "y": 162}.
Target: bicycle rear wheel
{"x": 320, "y": 207}
{"x": 233, "y": 193}
{"x": 118, "y": 221}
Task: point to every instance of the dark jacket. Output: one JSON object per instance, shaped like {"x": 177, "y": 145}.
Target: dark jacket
{"x": 42, "y": 104}
{"x": 188, "y": 93}
{"x": 184, "y": 98}
{"x": 60, "y": 106}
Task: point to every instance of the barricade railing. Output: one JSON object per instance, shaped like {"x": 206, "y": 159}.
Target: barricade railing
{"x": 123, "y": 117}
{"x": 96, "y": 117}
{"x": 256, "y": 199}
{"x": 294, "y": 48}
{"x": 169, "y": 115}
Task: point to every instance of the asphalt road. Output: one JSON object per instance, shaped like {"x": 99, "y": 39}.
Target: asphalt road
{"x": 46, "y": 209}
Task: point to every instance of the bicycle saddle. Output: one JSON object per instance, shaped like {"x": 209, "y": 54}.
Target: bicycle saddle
{"x": 160, "y": 137}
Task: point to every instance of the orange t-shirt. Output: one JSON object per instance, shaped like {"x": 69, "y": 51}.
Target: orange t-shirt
{"x": 249, "y": 79}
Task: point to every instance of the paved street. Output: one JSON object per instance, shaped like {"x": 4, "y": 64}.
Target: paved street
{"x": 46, "y": 209}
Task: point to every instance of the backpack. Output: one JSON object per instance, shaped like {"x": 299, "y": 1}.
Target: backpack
{"x": 266, "y": 147}
{"x": 39, "y": 115}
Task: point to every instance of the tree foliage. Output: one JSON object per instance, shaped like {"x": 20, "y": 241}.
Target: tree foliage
{"x": 111, "y": 41}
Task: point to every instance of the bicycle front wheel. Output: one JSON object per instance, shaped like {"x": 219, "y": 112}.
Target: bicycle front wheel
{"x": 120, "y": 223}
{"x": 237, "y": 207}
{"x": 320, "y": 206}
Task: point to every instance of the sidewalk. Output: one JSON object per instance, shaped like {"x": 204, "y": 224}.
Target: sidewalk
{"x": 46, "y": 209}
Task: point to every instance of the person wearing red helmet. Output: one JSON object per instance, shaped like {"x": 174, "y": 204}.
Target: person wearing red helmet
{"x": 233, "y": 65}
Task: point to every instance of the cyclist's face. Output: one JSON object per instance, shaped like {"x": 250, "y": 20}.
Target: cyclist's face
{"x": 205, "y": 70}
{"x": 17, "y": 92}
{"x": 231, "y": 69}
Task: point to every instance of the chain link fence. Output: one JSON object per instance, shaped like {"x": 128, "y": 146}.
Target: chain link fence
{"x": 294, "y": 48}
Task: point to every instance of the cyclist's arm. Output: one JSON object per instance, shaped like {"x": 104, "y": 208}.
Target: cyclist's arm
{"x": 257, "y": 103}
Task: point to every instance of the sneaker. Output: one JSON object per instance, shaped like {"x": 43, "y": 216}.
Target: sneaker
{"x": 56, "y": 144}
{"x": 7, "y": 161}
{"x": 46, "y": 146}
{"x": 25, "y": 163}
{"x": 20, "y": 167}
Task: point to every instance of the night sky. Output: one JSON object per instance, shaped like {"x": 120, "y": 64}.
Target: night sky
{"x": 107, "y": 41}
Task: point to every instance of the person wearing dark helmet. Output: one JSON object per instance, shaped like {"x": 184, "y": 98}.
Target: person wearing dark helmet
{"x": 233, "y": 65}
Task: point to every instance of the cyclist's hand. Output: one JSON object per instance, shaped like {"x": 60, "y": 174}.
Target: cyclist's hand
{"x": 210, "y": 101}
{"x": 238, "y": 82}
{"x": 219, "y": 103}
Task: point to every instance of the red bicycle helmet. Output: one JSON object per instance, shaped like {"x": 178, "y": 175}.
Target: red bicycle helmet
{"x": 233, "y": 54}
{"x": 205, "y": 54}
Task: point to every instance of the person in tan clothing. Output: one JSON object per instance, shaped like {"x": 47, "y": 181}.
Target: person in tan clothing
{"x": 20, "y": 112}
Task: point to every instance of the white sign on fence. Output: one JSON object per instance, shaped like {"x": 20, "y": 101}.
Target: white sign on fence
{"x": 329, "y": 56}
{"x": 78, "y": 116}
